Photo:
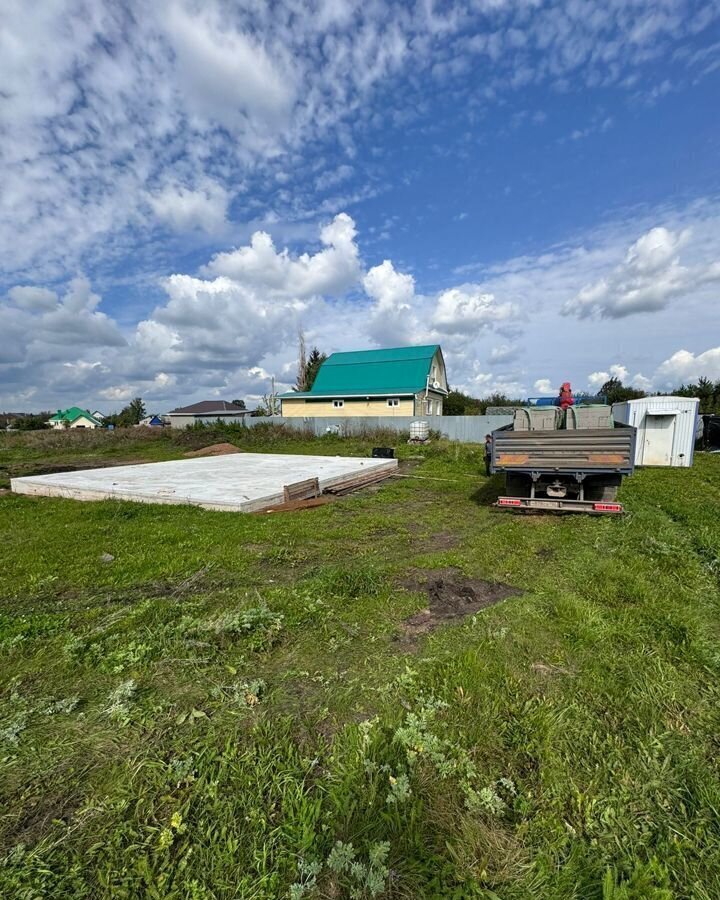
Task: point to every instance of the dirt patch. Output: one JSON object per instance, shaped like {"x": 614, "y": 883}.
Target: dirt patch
{"x": 443, "y": 540}
{"x": 26, "y": 469}
{"x": 214, "y": 450}
{"x": 452, "y": 596}
{"x": 34, "y": 821}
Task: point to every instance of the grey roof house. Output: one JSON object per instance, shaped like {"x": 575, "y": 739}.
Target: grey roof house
{"x": 206, "y": 411}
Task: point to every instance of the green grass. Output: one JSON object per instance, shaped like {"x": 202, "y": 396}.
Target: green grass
{"x": 208, "y": 714}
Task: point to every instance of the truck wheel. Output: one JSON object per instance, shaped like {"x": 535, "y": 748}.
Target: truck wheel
{"x": 517, "y": 485}
{"x": 602, "y": 489}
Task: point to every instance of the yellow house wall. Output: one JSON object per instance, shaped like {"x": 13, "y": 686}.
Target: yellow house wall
{"x": 79, "y": 421}
{"x": 294, "y": 408}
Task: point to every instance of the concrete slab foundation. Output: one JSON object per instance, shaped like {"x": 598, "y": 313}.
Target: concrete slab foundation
{"x": 244, "y": 482}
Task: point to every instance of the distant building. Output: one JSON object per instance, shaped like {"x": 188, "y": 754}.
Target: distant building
{"x": 74, "y": 417}
{"x": 153, "y": 422}
{"x": 99, "y": 416}
{"x": 206, "y": 411}
{"x": 403, "y": 381}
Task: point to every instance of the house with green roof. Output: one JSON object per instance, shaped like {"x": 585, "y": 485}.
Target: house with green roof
{"x": 401, "y": 381}
{"x": 74, "y": 417}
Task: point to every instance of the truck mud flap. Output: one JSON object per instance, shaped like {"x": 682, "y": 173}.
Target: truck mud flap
{"x": 547, "y": 504}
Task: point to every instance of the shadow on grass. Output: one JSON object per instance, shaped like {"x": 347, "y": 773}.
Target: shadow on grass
{"x": 490, "y": 489}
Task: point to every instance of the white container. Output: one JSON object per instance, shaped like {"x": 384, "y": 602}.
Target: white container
{"x": 537, "y": 418}
{"x": 419, "y": 430}
{"x": 666, "y": 429}
{"x": 590, "y": 416}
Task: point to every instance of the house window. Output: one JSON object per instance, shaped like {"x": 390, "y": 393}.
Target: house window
{"x": 438, "y": 407}
{"x": 338, "y": 404}
{"x": 393, "y": 401}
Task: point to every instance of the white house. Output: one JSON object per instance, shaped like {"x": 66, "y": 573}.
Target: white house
{"x": 206, "y": 411}
{"x": 74, "y": 417}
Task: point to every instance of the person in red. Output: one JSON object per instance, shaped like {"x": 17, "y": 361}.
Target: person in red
{"x": 565, "y": 398}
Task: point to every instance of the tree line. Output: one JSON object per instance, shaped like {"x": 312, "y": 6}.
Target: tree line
{"x": 457, "y": 403}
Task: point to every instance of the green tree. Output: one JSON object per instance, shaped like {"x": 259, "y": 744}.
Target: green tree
{"x": 312, "y": 367}
{"x": 128, "y": 415}
{"x": 615, "y": 391}
{"x": 458, "y": 403}
{"x": 239, "y": 403}
{"x": 308, "y": 366}
{"x": 32, "y": 422}
{"x": 707, "y": 392}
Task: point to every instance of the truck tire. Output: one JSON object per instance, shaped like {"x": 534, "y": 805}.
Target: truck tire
{"x": 603, "y": 489}
{"x": 517, "y": 485}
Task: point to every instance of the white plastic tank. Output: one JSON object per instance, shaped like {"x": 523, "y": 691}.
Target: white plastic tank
{"x": 666, "y": 428}
{"x": 419, "y": 430}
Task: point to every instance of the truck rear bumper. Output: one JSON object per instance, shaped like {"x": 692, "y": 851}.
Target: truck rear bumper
{"x": 593, "y": 507}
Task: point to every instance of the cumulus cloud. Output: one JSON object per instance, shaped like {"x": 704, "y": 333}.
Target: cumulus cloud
{"x": 467, "y": 307}
{"x": 597, "y": 379}
{"x": 331, "y": 270}
{"x": 393, "y": 315}
{"x": 229, "y": 328}
{"x": 684, "y": 366}
{"x": 33, "y": 298}
{"x": 649, "y": 277}
{"x": 544, "y": 386}
{"x": 184, "y": 209}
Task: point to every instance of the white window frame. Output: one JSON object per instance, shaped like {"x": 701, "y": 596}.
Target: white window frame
{"x": 338, "y": 404}
{"x": 393, "y": 401}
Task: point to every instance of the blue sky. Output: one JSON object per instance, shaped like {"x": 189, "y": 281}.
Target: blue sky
{"x": 532, "y": 185}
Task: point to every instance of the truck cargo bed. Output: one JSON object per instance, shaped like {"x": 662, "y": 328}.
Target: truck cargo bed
{"x": 575, "y": 451}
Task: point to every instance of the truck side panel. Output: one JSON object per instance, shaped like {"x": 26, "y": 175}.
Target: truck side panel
{"x": 587, "y": 450}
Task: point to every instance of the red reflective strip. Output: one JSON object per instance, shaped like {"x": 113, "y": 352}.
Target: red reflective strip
{"x": 508, "y": 501}
{"x": 607, "y": 507}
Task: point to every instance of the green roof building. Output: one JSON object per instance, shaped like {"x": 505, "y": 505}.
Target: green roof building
{"x": 401, "y": 381}
{"x": 74, "y": 417}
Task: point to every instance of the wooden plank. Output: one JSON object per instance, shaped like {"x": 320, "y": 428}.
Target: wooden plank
{"x": 301, "y": 490}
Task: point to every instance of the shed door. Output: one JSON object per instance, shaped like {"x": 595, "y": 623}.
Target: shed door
{"x": 659, "y": 435}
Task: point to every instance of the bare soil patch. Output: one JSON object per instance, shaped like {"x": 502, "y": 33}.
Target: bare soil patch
{"x": 26, "y": 469}
{"x": 214, "y": 450}
{"x": 452, "y": 596}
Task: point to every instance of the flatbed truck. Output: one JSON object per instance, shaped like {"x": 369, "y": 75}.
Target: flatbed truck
{"x": 577, "y": 470}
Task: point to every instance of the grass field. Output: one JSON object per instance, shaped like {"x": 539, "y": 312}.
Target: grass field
{"x": 210, "y": 705}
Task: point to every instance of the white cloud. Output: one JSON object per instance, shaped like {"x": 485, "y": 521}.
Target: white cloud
{"x": 684, "y": 366}
{"x": 227, "y": 330}
{"x": 33, "y": 298}
{"x": 184, "y": 209}
{"x": 107, "y": 104}
{"x": 468, "y": 306}
{"x": 224, "y": 74}
{"x": 393, "y": 291}
{"x": 646, "y": 281}
{"x": 596, "y": 380}
{"x": 331, "y": 270}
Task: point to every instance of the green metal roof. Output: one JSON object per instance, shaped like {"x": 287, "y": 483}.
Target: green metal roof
{"x": 395, "y": 371}
{"x": 72, "y": 413}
